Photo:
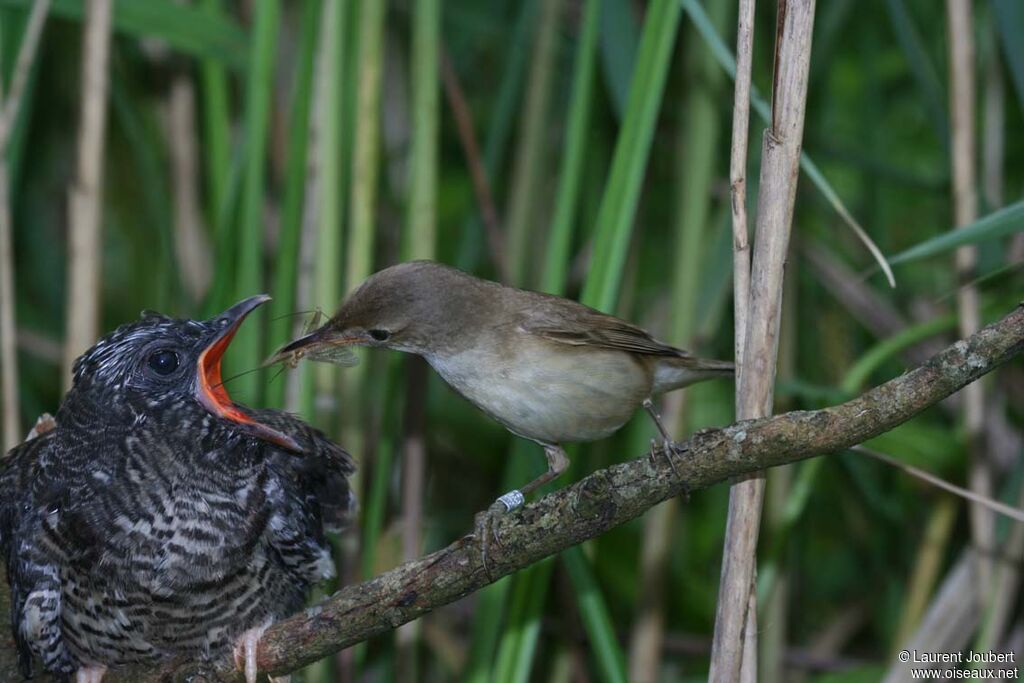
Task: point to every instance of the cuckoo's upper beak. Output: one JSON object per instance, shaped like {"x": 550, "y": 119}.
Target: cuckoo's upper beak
{"x": 210, "y": 391}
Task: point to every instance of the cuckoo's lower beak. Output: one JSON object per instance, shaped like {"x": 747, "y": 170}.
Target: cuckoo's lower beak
{"x": 210, "y": 391}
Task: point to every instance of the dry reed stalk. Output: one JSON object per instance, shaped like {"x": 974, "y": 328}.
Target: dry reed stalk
{"x": 8, "y": 332}
{"x": 738, "y": 176}
{"x": 950, "y": 620}
{"x": 965, "y": 209}
{"x": 733, "y": 649}
{"x": 10, "y": 426}
{"x": 86, "y": 195}
{"x": 191, "y": 245}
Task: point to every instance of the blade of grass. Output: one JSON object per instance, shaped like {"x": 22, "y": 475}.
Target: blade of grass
{"x": 421, "y": 218}
{"x": 622, "y": 191}
{"x": 217, "y": 129}
{"x": 192, "y": 30}
{"x": 528, "y": 173}
{"x": 557, "y": 256}
{"x": 620, "y": 37}
{"x": 615, "y": 221}
{"x": 519, "y": 643}
{"x": 1009, "y": 18}
{"x": 889, "y": 348}
{"x": 225, "y": 234}
{"x": 1007, "y": 511}
{"x": 963, "y": 162}
{"x": 698, "y": 149}
{"x": 487, "y": 629}
{"x": 331, "y": 116}
{"x": 366, "y": 153}
{"x": 17, "y": 138}
{"x": 1008, "y": 220}
{"x": 247, "y": 346}
{"x": 611, "y": 664}
{"x": 496, "y": 145}
{"x": 287, "y": 260}
{"x": 363, "y": 202}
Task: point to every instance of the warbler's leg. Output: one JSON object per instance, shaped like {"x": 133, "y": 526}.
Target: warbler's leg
{"x": 668, "y": 447}
{"x": 558, "y": 462}
{"x": 648, "y": 405}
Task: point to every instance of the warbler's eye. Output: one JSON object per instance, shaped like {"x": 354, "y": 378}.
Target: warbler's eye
{"x": 380, "y": 335}
{"x": 163, "y": 362}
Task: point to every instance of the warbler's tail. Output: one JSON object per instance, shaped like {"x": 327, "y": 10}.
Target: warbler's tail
{"x": 676, "y": 372}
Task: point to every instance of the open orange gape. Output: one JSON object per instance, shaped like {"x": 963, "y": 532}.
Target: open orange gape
{"x": 210, "y": 391}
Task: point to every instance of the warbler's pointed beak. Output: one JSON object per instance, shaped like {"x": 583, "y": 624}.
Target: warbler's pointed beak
{"x": 210, "y": 391}
{"x": 297, "y": 348}
{"x": 322, "y": 344}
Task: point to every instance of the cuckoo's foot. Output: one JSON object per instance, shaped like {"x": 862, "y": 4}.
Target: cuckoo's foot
{"x": 246, "y": 650}
{"x": 90, "y": 674}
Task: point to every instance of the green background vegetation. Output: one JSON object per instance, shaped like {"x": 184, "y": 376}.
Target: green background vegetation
{"x": 603, "y": 132}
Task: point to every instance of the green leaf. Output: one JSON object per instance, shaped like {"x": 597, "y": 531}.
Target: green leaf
{"x": 604, "y": 646}
{"x": 191, "y": 30}
{"x": 858, "y": 375}
{"x": 1009, "y": 20}
{"x": 557, "y": 259}
{"x": 286, "y": 264}
{"x": 516, "y": 656}
{"x": 619, "y": 40}
{"x": 249, "y": 272}
{"x": 622, "y": 192}
{"x": 1006, "y": 221}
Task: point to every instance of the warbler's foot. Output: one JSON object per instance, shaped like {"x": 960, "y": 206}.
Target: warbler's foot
{"x": 668, "y": 450}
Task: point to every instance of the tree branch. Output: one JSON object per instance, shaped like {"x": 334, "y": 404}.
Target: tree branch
{"x": 605, "y": 499}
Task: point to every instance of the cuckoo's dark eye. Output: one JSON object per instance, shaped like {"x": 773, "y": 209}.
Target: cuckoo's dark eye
{"x": 163, "y": 362}
{"x": 380, "y": 335}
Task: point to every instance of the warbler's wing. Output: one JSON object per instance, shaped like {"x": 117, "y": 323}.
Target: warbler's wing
{"x": 567, "y": 322}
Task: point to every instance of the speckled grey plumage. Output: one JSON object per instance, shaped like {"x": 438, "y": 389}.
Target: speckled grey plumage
{"x": 144, "y": 526}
